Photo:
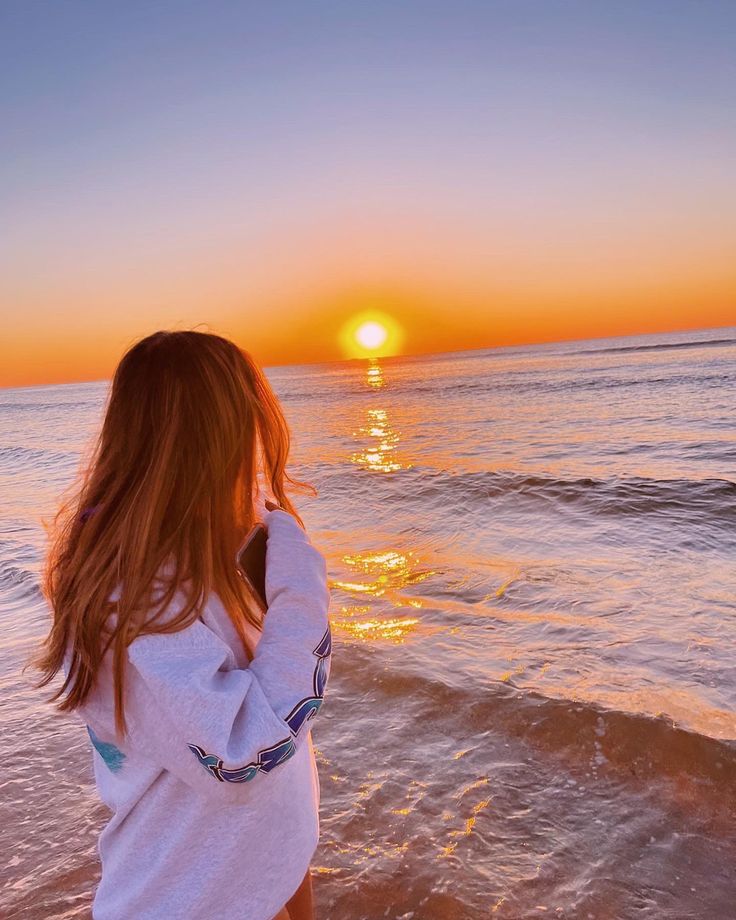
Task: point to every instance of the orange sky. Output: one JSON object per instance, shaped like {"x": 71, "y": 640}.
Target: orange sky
{"x": 481, "y": 176}
{"x": 444, "y": 296}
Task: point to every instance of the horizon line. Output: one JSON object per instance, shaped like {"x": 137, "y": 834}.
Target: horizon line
{"x": 421, "y": 354}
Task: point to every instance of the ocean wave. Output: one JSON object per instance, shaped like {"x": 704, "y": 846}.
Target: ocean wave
{"x": 687, "y": 499}
{"x": 636, "y": 746}
{"x": 696, "y": 501}
{"x": 18, "y": 582}
{"x": 34, "y": 408}
{"x": 19, "y": 457}
{"x": 578, "y": 382}
{"x": 657, "y": 346}
{"x": 548, "y": 381}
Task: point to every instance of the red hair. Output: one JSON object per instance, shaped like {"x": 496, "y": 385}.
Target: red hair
{"x": 190, "y": 424}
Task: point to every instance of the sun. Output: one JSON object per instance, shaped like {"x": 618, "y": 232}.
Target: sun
{"x": 371, "y": 333}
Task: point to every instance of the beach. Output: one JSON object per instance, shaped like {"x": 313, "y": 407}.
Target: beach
{"x": 532, "y": 706}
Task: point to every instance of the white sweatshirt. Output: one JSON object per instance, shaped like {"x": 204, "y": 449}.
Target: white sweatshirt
{"x": 214, "y": 791}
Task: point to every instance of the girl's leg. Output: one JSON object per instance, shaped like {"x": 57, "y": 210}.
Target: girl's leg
{"x": 300, "y": 905}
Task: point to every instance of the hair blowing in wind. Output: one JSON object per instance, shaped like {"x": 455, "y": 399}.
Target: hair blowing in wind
{"x": 190, "y": 423}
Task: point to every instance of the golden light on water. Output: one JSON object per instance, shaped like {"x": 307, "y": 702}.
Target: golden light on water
{"x": 376, "y": 581}
{"x": 381, "y": 572}
{"x": 384, "y": 576}
{"x": 380, "y": 442}
{"x": 378, "y": 439}
{"x": 374, "y": 375}
{"x": 395, "y": 629}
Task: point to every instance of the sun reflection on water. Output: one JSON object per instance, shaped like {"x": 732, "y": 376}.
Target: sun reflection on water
{"x": 377, "y": 438}
{"x": 374, "y": 375}
{"x": 375, "y": 581}
{"x": 383, "y": 576}
{"x": 395, "y": 629}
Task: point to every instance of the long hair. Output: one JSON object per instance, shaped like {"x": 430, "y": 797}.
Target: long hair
{"x": 190, "y": 425}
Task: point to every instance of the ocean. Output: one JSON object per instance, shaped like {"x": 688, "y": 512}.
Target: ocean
{"x": 532, "y": 706}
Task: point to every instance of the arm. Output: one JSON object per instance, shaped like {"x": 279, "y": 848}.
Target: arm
{"x": 216, "y": 726}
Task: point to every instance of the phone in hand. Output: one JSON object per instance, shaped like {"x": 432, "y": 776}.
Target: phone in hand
{"x": 251, "y": 562}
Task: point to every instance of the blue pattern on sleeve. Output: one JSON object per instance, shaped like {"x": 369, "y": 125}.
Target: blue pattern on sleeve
{"x": 268, "y": 758}
{"x": 111, "y": 754}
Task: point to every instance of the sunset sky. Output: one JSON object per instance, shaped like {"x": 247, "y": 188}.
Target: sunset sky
{"x": 480, "y": 173}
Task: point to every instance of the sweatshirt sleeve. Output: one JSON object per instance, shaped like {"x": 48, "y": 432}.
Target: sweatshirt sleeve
{"x": 214, "y": 725}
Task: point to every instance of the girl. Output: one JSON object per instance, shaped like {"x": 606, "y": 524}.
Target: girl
{"x": 197, "y": 705}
